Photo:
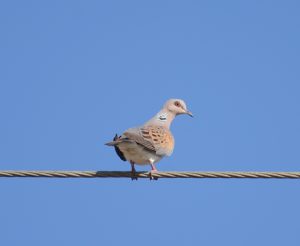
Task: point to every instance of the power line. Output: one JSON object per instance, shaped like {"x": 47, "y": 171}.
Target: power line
{"x": 119, "y": 174}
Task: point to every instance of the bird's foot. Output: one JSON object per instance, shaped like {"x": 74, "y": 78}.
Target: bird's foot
{"x": 133, "y": 172}
{"x": 151, "y": 174}
{"x": 133, "y": 176}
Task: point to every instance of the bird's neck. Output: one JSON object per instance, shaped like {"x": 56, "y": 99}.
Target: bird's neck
{"x": 163, "y": 118}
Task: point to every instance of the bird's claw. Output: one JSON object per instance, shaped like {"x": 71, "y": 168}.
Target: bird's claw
{"x": 151, "y": 175}
{"x": 133, "y": 176}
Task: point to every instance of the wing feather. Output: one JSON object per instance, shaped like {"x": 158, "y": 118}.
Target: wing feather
{"x": 157, "y": 139}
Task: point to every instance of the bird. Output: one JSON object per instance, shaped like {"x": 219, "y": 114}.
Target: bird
{"x": 149, "y": 143}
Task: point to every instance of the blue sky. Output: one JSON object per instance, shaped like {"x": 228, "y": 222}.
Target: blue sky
{"x": 74, "y": 73}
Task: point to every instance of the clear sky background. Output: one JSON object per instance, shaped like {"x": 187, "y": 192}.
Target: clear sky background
{"x": 74, "y": 73}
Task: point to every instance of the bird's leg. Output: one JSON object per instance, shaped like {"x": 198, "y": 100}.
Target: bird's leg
{"x": 153, "y": 170}
{"x": 133, "y": 171}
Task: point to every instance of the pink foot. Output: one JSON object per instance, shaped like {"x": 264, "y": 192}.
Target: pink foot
{"x": 153, "y": 171}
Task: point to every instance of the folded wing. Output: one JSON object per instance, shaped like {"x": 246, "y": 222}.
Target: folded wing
{"x": 157, "y": 139}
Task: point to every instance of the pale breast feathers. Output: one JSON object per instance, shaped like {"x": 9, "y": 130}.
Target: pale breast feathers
{"x": 157, "y": 139}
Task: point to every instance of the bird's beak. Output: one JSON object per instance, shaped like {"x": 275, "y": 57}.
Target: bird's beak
{"x": 189, "y": 113}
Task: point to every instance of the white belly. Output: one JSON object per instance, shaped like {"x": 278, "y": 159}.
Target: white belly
{"x": 138, "y": 154}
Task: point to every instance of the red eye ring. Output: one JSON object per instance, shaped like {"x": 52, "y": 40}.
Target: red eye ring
{"x": 177, "y": 104}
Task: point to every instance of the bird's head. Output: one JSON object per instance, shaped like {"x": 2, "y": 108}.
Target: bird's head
{"x": 177, "y": 107}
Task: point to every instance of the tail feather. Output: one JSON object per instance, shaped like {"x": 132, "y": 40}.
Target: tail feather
{"x": 114, "y": 143}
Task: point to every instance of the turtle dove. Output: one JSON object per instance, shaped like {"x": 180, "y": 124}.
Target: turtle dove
{"x": 148, "y": 144}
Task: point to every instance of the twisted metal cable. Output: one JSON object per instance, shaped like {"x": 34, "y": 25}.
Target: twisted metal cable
{"x": 119, "y": 174}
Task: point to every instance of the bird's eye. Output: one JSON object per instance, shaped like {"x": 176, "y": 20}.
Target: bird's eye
{"x": 177, "y": 104}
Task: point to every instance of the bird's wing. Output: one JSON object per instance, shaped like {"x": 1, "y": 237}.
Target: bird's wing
{"x": 157, "y": 139}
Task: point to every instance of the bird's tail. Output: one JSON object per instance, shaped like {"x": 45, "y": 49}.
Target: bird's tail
{"x": 114, "y": 142}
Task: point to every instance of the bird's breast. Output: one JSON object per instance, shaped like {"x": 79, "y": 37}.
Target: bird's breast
{"x": 165, "y": 143}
